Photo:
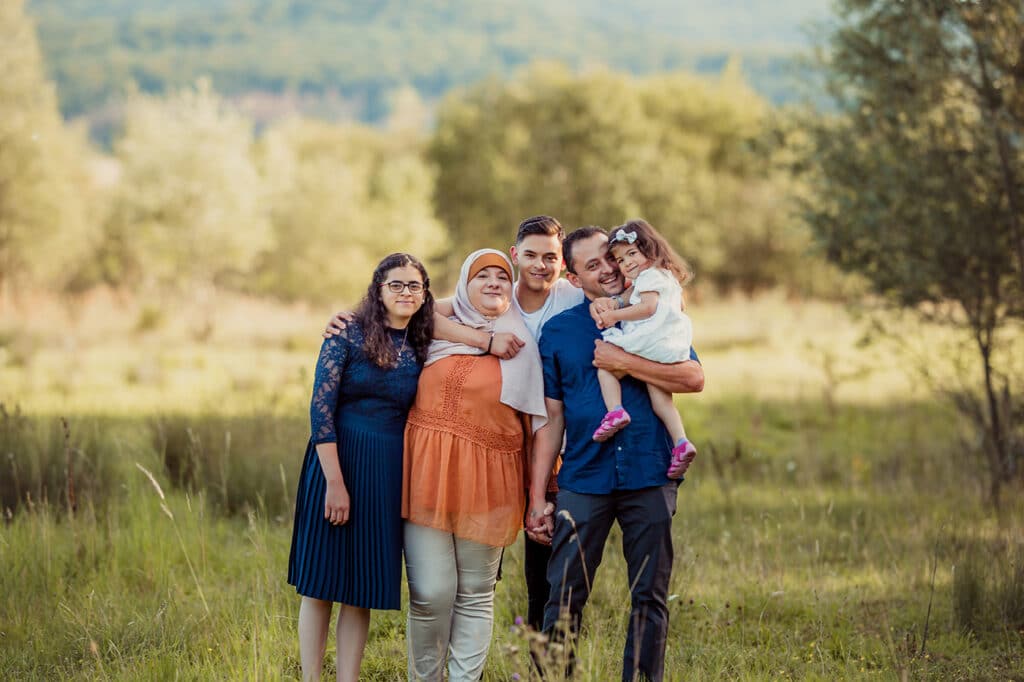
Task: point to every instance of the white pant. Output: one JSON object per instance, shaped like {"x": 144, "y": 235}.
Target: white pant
{"x": 451, "y": 603}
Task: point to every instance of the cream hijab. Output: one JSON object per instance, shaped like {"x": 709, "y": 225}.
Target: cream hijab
{"x": 522, "y": 379}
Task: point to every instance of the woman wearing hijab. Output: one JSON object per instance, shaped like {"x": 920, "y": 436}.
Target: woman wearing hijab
{"x": 466, "y": 444}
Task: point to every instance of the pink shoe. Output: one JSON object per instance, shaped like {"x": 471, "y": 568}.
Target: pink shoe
{"x": 613, "y": 422}
{"x": 682, "y": 456}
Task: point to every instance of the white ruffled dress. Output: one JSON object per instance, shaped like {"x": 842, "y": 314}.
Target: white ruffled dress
{"x": 665, "y": 336}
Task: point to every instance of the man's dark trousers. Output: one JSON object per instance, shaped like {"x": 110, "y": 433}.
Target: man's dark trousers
{"x": 645, "y": 517}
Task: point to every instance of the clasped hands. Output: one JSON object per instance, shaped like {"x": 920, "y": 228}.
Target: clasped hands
{"x": 540, "y": 522}
{"x": 599, "y": 307}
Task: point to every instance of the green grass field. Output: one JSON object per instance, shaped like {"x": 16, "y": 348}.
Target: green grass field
{"x": 834, "y": 526}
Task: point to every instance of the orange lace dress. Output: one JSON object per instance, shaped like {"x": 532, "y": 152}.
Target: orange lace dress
{"x": 465, "y": 453}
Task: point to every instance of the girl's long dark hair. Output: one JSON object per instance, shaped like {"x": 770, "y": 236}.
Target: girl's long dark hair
{"x": 373, "y": 316}
{"x": 656, "y": 248}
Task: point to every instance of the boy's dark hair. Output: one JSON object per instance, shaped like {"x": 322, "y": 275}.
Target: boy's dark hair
{"x": 573, "y": 237}
{"x": 540, "y": 224}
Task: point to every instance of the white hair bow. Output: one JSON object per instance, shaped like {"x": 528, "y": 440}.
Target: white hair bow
{"x": 623, "y": 236}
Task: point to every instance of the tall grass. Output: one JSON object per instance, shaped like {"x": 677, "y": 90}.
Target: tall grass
{"x": 52, "y": 461}
{"x": 249, "y": 462}
{"x": 988, "y": 585}
{"x": 241, "y": 463}
{"x": 789, "y": 564}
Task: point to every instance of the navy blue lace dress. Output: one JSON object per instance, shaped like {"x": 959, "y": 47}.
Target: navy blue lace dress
{"x": 363, "y": 408}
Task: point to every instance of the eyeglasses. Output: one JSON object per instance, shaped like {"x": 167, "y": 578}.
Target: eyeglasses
{"x": 396, "y": 287}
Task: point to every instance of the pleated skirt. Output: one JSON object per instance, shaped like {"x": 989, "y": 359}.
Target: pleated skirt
{"x": 359, "y": 563}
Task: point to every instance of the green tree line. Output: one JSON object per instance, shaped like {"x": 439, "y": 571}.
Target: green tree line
{"x": 362, "y": 51}
{"x": 191, "y": 196}
{"x": 689, "y": 154}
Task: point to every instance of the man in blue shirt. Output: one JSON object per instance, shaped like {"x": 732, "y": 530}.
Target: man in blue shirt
{"x": 622, "y": 479}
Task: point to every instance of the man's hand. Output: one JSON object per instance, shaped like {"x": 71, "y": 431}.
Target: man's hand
{"x": 610, "y": 357}
{"x": 506, "y": 345}
{"x": 337, "y": 324}
{"x": 540, "y": 522}
{"x": 676, "y": 377}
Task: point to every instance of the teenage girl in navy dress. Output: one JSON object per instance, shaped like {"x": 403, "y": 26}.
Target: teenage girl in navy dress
{"x": 347, "y": 538}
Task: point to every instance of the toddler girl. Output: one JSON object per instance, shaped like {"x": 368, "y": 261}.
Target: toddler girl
{"x": 653, "y": 327}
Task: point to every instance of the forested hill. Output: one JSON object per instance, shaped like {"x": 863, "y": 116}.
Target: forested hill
{"x": 345, "y": 56}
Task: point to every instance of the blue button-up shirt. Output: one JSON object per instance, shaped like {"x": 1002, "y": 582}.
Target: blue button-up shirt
{"x": 634, "y": 458}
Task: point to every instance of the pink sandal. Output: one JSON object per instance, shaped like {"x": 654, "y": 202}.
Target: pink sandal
{"x": 682, "y": 456}
{"x": 613, "y": 422}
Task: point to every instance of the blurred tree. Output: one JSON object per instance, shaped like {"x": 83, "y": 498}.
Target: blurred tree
{"x": 545, "y": 142}
{"x": 43, "y": 226}
{"x": 408, "y": 113}
{"x": 602, "y": 147}
{"x": 918, "y": 180}
{"x": 190, "y": 209}
{"x": 341, "y": 198}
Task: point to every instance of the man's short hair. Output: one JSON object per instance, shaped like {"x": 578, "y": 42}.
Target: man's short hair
{"x": 540, "y": 224}
{"x": 573, "y": 237}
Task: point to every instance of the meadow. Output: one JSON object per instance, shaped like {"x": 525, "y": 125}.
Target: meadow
{"x": 833, "y": 527}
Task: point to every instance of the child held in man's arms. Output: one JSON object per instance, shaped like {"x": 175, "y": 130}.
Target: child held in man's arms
{"x": 653, "y": 326}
